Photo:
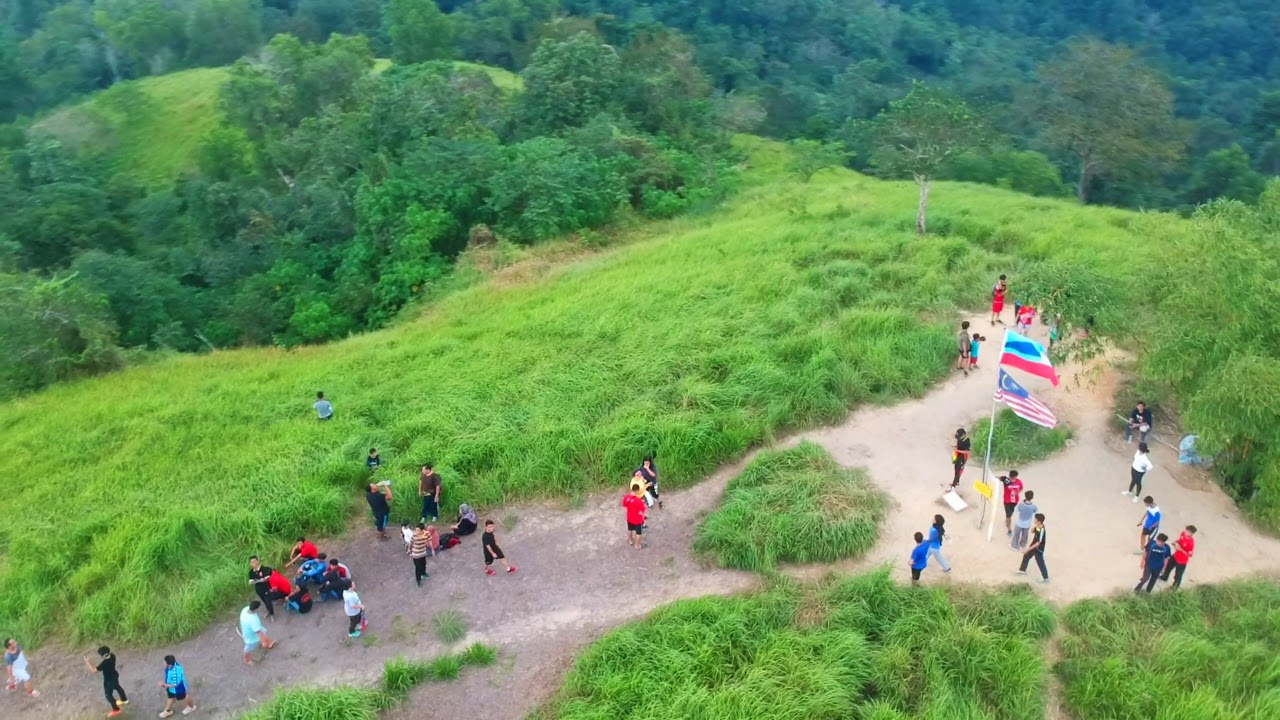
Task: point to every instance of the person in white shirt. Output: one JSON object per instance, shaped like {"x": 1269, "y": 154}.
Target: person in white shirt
{"x": 1141, "y": 466}
{"x": 252, "y": 631}
{"x": 354, "y": 609}
{"x": 323, "y": 407}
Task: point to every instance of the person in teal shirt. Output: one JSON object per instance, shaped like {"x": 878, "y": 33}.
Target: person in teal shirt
{"x": 175, "y": 688}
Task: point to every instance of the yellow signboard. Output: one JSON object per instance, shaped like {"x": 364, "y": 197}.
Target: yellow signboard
{"x": 982, "y": 488}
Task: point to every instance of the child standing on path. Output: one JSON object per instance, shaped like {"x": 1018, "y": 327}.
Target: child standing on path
{"x": 1036, "y": 549}
{"x": 1012, "y": 493}
{"x": 997, "y": 300}
{"x": 1026, "y": 315}
{"x": 355, "y": 611}
{"x": 1141, "y": 466}
{"x": 1026, "y": 511}
{"x": 1182, "y": 552}
{"x": 489, "y": 542}
{"x": 110, "y": 679}
{"x": 1154, "y": 563}
{"x": 974, "y": 344}
{"x": 965, "y": 344}
{"x": 919, "y": 558}
{"x": 15, "y": 664}
{"x": 175, "y": 688}
{"x": 936, "y": 534}
{"x": 634, "y": 504}
{"x": 1150, "y": 524}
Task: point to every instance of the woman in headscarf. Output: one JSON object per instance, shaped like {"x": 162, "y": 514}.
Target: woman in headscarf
{"x": 467, "y": 520}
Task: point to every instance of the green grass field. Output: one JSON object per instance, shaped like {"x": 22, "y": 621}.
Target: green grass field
{"x": 794, "y": 505}
{"x": 861, "y": 648}
{"x": 136, "y": 497}
{"x": 1202, "y": 654}
{"x": 1015, "y": 440}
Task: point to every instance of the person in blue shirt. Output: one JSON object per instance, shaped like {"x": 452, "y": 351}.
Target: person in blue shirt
{"x": 936, "y": 534}
{"x": 919, "y": 558}
{"x": 323, "y": 407}
{"x": 1150, "y": 524}
{"x": 1154, "y": 562}
{"x": 175, "y": 688}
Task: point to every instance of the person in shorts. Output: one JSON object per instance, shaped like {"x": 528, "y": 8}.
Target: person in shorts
{"x": 919, "y": 558}
{"x": 635, "y": 506}
{"x": 965, "y": 343}
{"x": 175, "y": 688}
{"x": 997, "y": 299}
{"x": 489, "y": 541}
{"x": 252, "y": 631}
{"x": 1012, "y": 494}
{"x": 15, "y": 665}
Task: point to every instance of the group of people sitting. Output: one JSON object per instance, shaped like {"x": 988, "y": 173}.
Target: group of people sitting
{"x": 328, "y": 576}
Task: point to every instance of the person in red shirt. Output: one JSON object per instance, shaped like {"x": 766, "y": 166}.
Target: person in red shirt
{"x": 1012, "y": 494}
{"x": 278, "y": 589}
{"x": 635, "y": 505}
{"x": 997, "y": 299}
{"x": 1183, "y": 549}
{"x": 304, "y": 549}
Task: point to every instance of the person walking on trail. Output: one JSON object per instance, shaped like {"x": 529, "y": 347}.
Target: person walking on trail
{"x": 635, "y": 507}
{"x": 419, "y": 548}
{"x": 1183, "y": 549}
{"x": 374, "y": 461}
{"x": 323, "y": 407}
{"x": 959, "y": 456}
{"x": 1035, "y": 551}
{"x": 429, "y": 487}
{"x": 175, "y": 688}
{"x": 260, "y": 579}
{"x": 1150, "y": 524}
{"x": 252, "y": 632}
{"x": 354, "y": 609}
{"x": 15, "y": 666}
{"x": 110, "y": 679}
{"x": 1012, "y": 493}
{"x": 965, "y": 345}
{"x": 936, "y": 536}
{"x": 492, "y": 551}
{"x": 648, "y": 472}
{"x": 1141, "y": 466}
{"x": 997, "y": 299}
{"x": 919, "y": 558}
{"x": 1155, "y": 562}
{"x": 1026, "y": 513}
{"x": 1140, "y": 420}
{"x": 379, "y": 498}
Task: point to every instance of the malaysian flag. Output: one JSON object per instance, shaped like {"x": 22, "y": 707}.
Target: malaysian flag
{"x": 1023, "y": 405}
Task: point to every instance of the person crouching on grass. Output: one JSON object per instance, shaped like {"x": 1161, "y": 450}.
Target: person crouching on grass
{"x": 492, "y": 552}
{"x": 635, "y": 506}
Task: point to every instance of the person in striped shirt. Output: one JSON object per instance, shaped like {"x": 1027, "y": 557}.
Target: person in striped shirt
{"x": 419, "y": 548}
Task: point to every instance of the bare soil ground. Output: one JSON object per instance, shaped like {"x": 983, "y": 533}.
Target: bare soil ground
{"x": 578, "y": 578}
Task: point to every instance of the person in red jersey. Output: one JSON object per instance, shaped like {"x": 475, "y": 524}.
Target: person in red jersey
{"x": 635, "y": 505}
{"x": 1012, "y": 494}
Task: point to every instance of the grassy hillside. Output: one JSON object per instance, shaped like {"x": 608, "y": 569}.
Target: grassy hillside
{"x": 135, "y": 498}
{"x": 150, "y": 128}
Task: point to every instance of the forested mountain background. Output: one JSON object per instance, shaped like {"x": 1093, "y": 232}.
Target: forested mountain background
{"x": 333, "y": 190}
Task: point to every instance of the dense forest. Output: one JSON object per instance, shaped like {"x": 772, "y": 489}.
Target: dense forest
{"x": 337, "y": 190}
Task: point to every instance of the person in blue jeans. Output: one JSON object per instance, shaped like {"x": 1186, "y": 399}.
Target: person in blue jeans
{"x": 379, "y": 498}
{"x": 1154, "y": 562}
{"x": 1140, "y": 420}
{"x": 936, "y": 534}
{"x": 919, "y": 558}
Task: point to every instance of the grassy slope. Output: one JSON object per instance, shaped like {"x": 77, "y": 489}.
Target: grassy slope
{"x": 794, "y": 505}
{"x": 150, "y": 128}
{"x": 136, "y": 497}
{"x": 1017, "y": 441}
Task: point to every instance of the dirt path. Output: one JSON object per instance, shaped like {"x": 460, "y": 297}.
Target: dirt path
{"x": 577, "y": 578}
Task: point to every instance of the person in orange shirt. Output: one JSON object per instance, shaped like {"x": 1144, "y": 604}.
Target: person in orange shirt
{"x": 1183, "y": 549}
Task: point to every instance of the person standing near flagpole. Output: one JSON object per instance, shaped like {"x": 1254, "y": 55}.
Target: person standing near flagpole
{"x": 959, "y": 456}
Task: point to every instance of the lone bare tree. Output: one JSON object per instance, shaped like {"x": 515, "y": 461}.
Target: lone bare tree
{"x": 917, "y": 134}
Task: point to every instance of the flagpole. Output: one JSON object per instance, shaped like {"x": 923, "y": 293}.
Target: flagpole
{"x": 991, "y": 433}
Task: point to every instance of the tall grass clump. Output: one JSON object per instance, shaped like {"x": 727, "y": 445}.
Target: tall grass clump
{"x": 795, "y": 505}
{"x": 859, "y": 648}
{"x": 1203, "y": 653}
{"x": 450, "y": 626}
{"x": 399, "y": 676}
{"x": 1017, "y": 441}
{"x": 135, "y": 499}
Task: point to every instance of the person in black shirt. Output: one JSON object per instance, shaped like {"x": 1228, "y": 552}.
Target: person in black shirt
{"x": 649, "y": 473}
{"x": 1140, "y": 420}
{"x": 1035, "y": 551}
{"x": 491, "y": 550}
{"x": 960, "y": 456}
{"x": 374, "y": 461}
{"x": 110, "y": 679}
{"x": 379, "y": 497}
{"x": 259, "y": 578}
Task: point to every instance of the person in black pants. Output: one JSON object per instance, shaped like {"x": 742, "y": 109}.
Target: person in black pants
{"x": 259, "y": 578}
{"x": 110, "y": 679}
{"x": 1154, "y": 562}
{"x": 1036, "y": 550}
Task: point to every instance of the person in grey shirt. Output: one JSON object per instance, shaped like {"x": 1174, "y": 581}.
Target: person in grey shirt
{"x": 1026, "y": 512}
{"x": 323, "y": 407}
